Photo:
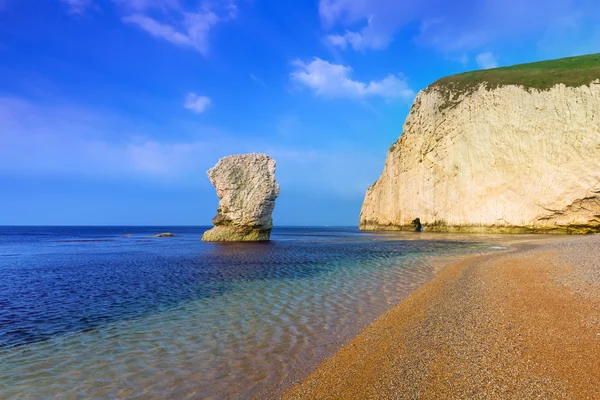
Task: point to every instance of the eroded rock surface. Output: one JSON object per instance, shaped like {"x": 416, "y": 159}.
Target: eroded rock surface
{"x": 506, "y": 159}
{"x": 247, "y": 191}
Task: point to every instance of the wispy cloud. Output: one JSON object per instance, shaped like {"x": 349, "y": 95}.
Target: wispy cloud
{"x": 144, "y": 5}
{"x": 158, "y": 29}
{"x": 486, "y": 60}
{"x": 444, "y": 26}
{"x": 368, "y": 38}
{"x": 197, "y": 104}
{"x": 72, "y": 141}
{"x": 258, "y": 80}
{"x": 344, "y": 172}
{"x": 463, "y": 59}
{"x": 182, "y": 24}
{"x": 77, "y": 6}
{"x": 333, "y": 80}
{"x": 67, "y": 140}
{"x": 192, "y": 32}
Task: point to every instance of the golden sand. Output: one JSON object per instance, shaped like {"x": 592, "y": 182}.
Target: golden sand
{"x": 521, "y": 324}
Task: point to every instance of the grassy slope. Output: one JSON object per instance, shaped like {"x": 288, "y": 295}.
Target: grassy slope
{"x": 572, "y": 71}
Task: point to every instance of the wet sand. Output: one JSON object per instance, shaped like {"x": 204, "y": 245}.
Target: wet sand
{"x": 518, "y": 324}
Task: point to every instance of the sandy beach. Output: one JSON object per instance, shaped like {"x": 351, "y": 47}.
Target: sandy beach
{"x": 524, "y": 323}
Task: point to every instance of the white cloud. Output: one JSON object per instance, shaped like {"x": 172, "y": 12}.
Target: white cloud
{"x": 197, "y": 104}
{"x": 486, "y": 60}
{"x": 333, "y": 80}
{"x": 77, "y": 6}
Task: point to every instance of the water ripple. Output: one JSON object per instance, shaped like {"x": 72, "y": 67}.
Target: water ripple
{"x": 181, "y": 318}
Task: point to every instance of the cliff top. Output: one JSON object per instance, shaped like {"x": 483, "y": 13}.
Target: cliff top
{"x": 571, "y": 71}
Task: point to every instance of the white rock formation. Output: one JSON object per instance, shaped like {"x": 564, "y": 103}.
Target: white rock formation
{"x": 247, "y": 191}
{"x": 507, "y": 159}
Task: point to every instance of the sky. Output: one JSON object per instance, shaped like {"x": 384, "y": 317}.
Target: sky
{"x": 112, "y": 111}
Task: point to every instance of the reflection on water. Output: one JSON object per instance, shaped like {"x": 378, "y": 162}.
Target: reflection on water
{"x": 87, "y": 313}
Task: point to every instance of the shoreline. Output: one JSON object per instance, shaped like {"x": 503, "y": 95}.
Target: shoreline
{"x": 522, "y": 323}
{"x": 429, "y": 265}
{"x": 577, "y": 229}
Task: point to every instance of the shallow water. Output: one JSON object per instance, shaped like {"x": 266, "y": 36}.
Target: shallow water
{"x": 89, "y": 312}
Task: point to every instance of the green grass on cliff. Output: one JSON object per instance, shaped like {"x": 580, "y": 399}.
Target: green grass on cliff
{"x": 572, "y": 71}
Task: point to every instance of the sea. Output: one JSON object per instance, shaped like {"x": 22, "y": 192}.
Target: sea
{"x": 113, "y": 312}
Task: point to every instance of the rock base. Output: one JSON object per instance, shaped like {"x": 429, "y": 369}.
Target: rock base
{"x": 236, "y": 234}
{"x": 580, "y": 229}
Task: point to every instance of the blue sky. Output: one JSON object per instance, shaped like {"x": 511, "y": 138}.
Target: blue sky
{"x": 111, "y": 111}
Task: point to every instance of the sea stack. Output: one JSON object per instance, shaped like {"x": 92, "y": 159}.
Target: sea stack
{"x": 247, "y": 191}
{"x": 513, "y": 149}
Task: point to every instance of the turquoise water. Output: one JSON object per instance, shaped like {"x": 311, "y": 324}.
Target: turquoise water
{"x": 113, "y": 313}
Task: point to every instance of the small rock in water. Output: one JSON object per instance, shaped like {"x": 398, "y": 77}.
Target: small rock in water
{"x": 166, "y": 234}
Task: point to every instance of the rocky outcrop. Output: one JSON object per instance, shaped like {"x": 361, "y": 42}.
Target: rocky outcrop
{"x": 247, "y": 191}
{"x": 165, "y": 234}
{"x": 500, "y": 159}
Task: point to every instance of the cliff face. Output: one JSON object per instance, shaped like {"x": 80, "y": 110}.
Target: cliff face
{"x": 502, "y": 159}
{"x": 247, "y": 191}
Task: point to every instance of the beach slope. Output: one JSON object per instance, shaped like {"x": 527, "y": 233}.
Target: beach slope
{"x": 519, "y": 324}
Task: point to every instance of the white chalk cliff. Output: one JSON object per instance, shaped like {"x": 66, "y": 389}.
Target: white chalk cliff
{"x": 502, "y": 159}
{"x": 247, "y": 191}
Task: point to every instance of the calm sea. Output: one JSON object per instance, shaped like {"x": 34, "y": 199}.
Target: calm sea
{"x": 111, "y": 312}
